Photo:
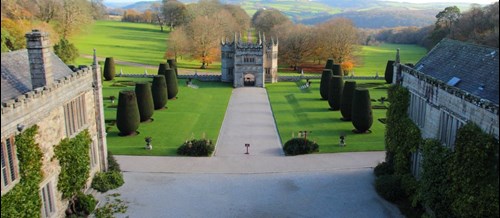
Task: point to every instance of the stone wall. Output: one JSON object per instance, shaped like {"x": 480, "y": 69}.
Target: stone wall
{"x": 459, "y": 103}
{"x": 44, "y": 107}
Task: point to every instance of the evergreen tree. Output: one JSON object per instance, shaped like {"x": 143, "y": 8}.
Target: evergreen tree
{"x": 66, "y": 51}
{"x": 109, "y": 69}
{"x": 127, "y": 113}
{"x": 173, "y": 65}
{"x": 346, "y": 100}
{"x": 159, "y": 91}
{"x": 337, "y": 70}
{"x": 389, "y": 72}
{"x": 144, "y": 100}
{"x": 336, "y": 86}
{"x": 171, "y": 83}
{"x": 362, "y": 118}
{"x": 324, "y": 84}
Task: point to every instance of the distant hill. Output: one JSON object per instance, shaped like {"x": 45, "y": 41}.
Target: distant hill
{"x": 364, "y": 13}
{"x": 382, "y": 18}
{"x": 140, "y": 6}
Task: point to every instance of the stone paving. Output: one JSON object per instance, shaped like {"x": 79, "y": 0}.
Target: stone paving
{"x": 249, "y": 119}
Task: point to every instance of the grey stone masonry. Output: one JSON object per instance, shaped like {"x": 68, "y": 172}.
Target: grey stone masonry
{"x": 38, "y": 46}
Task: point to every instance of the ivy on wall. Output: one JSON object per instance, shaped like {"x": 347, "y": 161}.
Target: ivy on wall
{"x": 24, "y": 200}
{"x": 74, "y": 159}
{"x": 474, "y": 173}
{"x": 402, "y": 136}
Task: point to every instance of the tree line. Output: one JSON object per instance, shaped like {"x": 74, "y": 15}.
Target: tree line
{"x": 477, "y": 25}
{"x": 197, "y": 30}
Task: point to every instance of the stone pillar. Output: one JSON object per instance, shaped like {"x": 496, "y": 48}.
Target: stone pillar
{"x": 38, "y": 46}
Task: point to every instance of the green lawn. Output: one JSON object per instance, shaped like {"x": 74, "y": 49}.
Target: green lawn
{"x": 194, "y": 113}
{"x": 295, "y": 110}
{"x": 135, "y": 42}
{"x": 372, "y": 59}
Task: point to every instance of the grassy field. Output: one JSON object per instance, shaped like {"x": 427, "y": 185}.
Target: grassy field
{"x": 296, "y": 110}
{"x": 372, "y": 59}
{"x": 195, "y": 113}
{"x": 134, "y": 42}
{"x": 145, "y": 44}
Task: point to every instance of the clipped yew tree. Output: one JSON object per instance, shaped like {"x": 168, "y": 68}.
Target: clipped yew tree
{"x": 171, "y": 79}
{"x": 389, "y": 71}
{"x": 329, "y": 63}
{"x": 127, "y": 113}
{"x": 362, "y": 118}
{"x": 144, "y": 100}
{"x": 173, "y": 65}
{"x": 335, "y": 93}
{"x": 161, "y": 68}
{"x": 324, "y": 83}
{"x": 346, "y": 100}
{"x": 159, "y": 92}
{"x": 109, "y": 69}
{"x": 337, "y": 70}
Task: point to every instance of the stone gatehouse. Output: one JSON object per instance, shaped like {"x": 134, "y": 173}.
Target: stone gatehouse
{"x": 249, "y": 63}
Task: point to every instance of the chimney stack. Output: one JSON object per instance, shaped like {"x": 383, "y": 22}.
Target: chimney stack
{"x": 38, "y": 46}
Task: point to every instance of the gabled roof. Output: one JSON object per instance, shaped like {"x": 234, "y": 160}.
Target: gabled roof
{"x": 16, "y": 77}
{"x": 475, "y": 67}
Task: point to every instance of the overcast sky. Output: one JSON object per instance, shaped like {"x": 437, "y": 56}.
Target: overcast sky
{"x": 413, "y": 1}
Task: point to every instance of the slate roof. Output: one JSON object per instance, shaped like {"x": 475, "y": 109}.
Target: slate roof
{"x": 476, "y": 66}
{"x": 16, "y": 77}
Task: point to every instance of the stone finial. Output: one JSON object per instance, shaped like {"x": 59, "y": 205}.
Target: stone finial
{"x": 95, "y": 63}
{"x": 398, "y": 60}
{"x": 38, "y": 46}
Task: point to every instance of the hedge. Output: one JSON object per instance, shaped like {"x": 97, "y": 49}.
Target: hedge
{"x": 172, "y": 83}
{"x": 159, "y": 92}
{"x": 144, "y": 100}
{"x": 325, "y": 83}
{"x": 362, "y": 117}
{"x": 346, "y": 100}
{"x": 196, "y": 148}
{"x": 389, "y": 71}
{"x": 173, "y": 65}
{"x": 335, "y": 92}
{"x": 109, "y": 69}
{"x": 127, "y": 113}
{"x": 298, "y": 146}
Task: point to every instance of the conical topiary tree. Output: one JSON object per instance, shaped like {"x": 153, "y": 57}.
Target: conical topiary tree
{"x": 173, "y": 65}
{"x": 109, "y": 69}
{"x": 159, "y": 91}
{"x": 337, "y": 70}
{"x": 336, "y": 88}
{"x": 127, "y": 113}
{"x": 162, "y": 67}
{"x": 346, "y": 100}
{"x": 329, "y": 63}
{"x": 171, "y": 83}
{"x": 389, "y": 71}
{"x": 324, "y": 83}
{"x": 144, "y": 100}
{"x": 362, "y": 118}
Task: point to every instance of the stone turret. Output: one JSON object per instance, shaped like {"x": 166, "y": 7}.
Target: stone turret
{"x": 38, "y": 46}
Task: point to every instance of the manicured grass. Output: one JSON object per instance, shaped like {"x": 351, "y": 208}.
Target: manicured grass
{"x": 295, "y": 110}
{"x": 194, "y": 113}
{"x": 135, "y": 42}
{"x": 372, "y": 59}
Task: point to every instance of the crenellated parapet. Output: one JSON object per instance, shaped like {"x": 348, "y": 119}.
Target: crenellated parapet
{"x": 66, "y": 83}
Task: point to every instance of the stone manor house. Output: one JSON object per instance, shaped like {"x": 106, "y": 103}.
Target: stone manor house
{"x": 249, "y": 63}
{"x": 39, "y": 89}
{"x": 454, "y": 83}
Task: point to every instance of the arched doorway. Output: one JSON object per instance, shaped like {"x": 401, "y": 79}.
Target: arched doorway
{"x": 249, "y": 80}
